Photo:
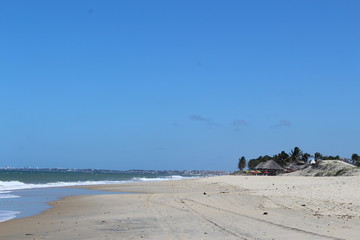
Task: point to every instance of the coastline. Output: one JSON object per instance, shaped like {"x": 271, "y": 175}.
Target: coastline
{"x": 225, "y": 207}
{"x": 26, "y": 192}
{"x": 38, "y": 198}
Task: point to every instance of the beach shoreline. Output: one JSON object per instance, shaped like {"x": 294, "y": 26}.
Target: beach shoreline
{"x": 225, "y": 207}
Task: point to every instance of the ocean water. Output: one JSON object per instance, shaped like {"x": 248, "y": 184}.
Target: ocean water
{"x": 26, "y": 193}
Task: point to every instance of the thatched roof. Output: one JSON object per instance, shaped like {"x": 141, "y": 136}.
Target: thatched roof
{"x": 268, "y": 165}
{"x": 260, "y": 165}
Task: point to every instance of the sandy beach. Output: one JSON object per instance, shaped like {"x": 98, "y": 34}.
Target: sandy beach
{"x": 226, "y": 207}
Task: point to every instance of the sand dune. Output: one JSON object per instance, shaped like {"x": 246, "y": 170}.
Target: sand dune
{"x": 227, "y": 207}
{"x": 328, "y": 168}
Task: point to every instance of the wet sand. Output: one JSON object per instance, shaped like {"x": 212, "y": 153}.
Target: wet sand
{"x": 226, "y": 207}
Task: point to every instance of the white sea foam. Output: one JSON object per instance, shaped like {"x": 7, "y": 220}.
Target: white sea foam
{"x": 5, "y": 194}
{"x": 7, "y": 215}
{"x": 7, "y": 186}
{"x": 8, "y": 196}
{"x": 16, "y": 185}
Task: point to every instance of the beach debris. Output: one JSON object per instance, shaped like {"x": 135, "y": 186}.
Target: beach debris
{"x": 303, "y": 205}
{"x": 204, "y": 193}
{"x": 265, "y": 213}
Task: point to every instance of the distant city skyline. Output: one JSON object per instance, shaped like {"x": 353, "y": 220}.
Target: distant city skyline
{"x": 176, "y": 85}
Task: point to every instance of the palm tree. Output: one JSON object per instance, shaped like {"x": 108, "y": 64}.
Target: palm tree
{"x": 284, "y": 156}
{"x": 305, "y": 157}
{"x": 281, "y": 158}
{"x": 295, "y": 154}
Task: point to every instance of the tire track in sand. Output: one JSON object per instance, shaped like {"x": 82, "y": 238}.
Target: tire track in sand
{"x": 283, "y": 232}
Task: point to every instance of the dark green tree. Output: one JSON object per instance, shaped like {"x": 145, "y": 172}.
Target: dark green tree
{"x": 242, "y": 163}
{"x": 318, "y": 156}
{"x": 330, "y": 157}
{"x": 305, "y": 157}
{"x": 355, "y": 159}
{"x": 254, "y": 162}
{"x": 282, "y": 158}
{"x": 295, "y": 154}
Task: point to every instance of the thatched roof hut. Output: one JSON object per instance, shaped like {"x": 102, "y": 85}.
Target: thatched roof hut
{"x": 271, "y": 166}
{"x": 260, "y": 165}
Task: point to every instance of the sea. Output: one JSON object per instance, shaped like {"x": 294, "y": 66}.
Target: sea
{"x": 28, "y": 192}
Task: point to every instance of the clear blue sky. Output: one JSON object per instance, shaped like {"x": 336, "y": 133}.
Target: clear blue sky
{"x": 176, "y": 84}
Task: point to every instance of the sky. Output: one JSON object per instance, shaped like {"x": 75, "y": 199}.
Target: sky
{"x": 176, "y": 84}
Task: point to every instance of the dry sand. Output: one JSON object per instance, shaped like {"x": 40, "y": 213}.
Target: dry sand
{"x": 226, "y": 207}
